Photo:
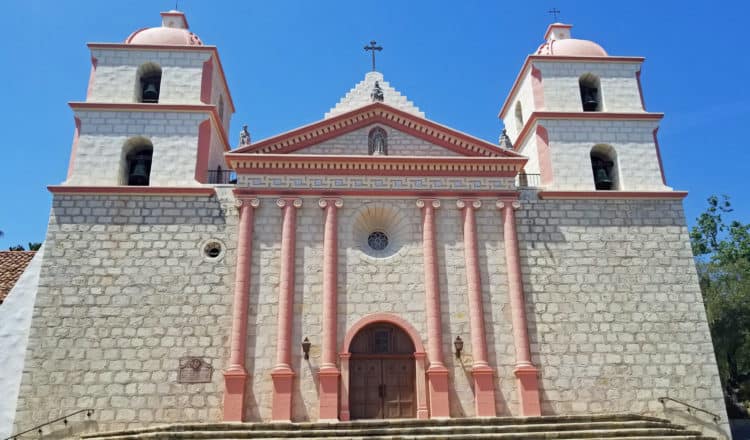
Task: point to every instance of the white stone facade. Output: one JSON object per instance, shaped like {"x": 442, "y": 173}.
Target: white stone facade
{"x": 359, "y": 96}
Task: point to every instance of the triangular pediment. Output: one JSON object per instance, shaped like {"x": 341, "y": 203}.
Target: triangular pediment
{"x": 428, "y": 138}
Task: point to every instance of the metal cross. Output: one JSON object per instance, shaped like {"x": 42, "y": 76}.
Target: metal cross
{"x": 554, "y": 12}
{"x": 372, "y": 47}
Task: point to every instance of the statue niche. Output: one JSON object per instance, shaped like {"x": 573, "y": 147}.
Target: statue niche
{"x": 377, "y": 142}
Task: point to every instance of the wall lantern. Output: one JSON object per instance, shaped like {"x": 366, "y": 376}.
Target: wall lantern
{"x": 306, "y": 348}
{"x": 459, "y": 345}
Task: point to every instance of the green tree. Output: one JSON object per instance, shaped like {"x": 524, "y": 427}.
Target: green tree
{"x": 34, "y": 246}
{"x": 722, "y": 251}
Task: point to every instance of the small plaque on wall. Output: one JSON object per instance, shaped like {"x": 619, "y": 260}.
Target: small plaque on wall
{"x": 194, "y": 370}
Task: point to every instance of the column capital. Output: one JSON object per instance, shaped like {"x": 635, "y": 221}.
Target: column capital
{"x": 332, "y": 201}
{"x": 289, "y": 201}
{"x": 247, "y": 202}
{"x": 422, "y": 203}
{"x": 515, "y": 204}
{"x": 468, "y": 203}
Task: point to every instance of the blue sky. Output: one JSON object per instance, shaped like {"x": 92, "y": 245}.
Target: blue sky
{"x": 288, "y": 62}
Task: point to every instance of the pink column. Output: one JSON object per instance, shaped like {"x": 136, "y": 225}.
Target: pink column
{"x": 526, "y": 373}
{"x": 329, "y": 374}
{"x": 484, "y": 385}
{"x": 235, "y": 375}
{"x": 437, "y": 373}
{"x": 282, "y": 374}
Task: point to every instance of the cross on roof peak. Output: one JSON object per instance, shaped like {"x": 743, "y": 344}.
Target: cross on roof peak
{"x": 373, "y": 47}
{"x": 554, "y": 12}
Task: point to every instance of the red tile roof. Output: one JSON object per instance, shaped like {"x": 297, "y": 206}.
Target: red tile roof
{"x": 12, "y": 265}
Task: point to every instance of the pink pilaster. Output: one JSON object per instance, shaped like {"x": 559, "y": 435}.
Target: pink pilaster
{"x": 344, "y": 414}
{"x": 329, "y": 374}
{"x": 483, "y": 374}
{"x": 526, "y": 373}
{"x": 282, "y": 374}
{"x": 235, "y": 375}
{"x": 437, "y": 373}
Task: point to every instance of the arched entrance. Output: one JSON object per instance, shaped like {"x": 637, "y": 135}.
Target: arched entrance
{"x": 382, "y": 370}
{"x": 381, "y": 383}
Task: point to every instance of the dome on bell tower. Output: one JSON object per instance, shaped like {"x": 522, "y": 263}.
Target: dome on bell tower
{"x": 174, "y": 31}
{"x": 559, "y": 43}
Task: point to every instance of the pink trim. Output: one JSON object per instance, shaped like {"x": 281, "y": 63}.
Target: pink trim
{"x": 376, "y": 113}
{"x": 537, "y": 88}
{"x": 606, "y": 116}
{"x": 132, "y": 190}
{"x": 329, "y": 373}
{"x": 419, "y": 359}
{"x": 377, "y": 193}
{"x": 531, "y": 58}
{"x": 152, "y": 47}
{"x": 235, "y": 375}
{"x": 437, "y": 373}
{"x": 528, "y": 389}
{"x": 658, "y": 156}
{"x": 556, "y": 26}
{"x": 92, "y": 75}
{"x": 640, "y": 89}
{"x": 74, "y": 148}
{"x": 484, "y": 388}
{"x": 283, "y": 374}
{"x": 545, "y": 155}
{"x": 615, "y": 195}
{"x": 204, "y": 151}
{"x": 206, "y": 79}
{"x": 144, "y": 107}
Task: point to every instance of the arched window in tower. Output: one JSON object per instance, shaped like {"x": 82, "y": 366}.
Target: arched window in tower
{"x": 137, "y": 154}
{"x": 519, "y": 117}
{"x": 604, "y": 167}
{"x": 148, "y": 83}
{"x": 221, "y": 108}
{"x": 377, "y": 143}
{"x": 591, "y": 95}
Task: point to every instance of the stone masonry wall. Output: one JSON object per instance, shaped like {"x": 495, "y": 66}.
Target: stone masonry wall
{"x": 526, "y": 98}
{"x": 615, "y": 310}
{"x": 399, "y": 144}
{"x": 99, "y": 156}
{"x": 619, "y": 85}
{"x": 125, "y": 291}
{"x": 116, "y": 75}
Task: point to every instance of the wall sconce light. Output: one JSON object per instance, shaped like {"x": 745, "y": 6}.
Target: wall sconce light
{"x": 459, "y": 345}
{"x": 306, "y": 347}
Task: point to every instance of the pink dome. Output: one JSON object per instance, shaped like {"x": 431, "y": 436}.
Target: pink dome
{"x": 571, "y": 47}
{"x": 164, "y": 36}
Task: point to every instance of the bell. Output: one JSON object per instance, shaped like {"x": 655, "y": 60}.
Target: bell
{"x": 602, "y": 179}
{"x": 139, "y": 172}
{"x": 590, "y": 100}
{"x": 150, "y": 92}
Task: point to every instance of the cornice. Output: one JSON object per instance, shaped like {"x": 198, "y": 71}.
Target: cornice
{"x": 604, "y": 195}
{"x": 375, "y": 165}
{"x": 132, "y": 190}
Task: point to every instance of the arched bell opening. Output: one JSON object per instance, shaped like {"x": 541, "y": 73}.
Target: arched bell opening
{"x": 137, "y": 156}
{"x": 591, "y": 95}
{"x": 383, "y": 364}
{"x": 604, "y": 167}
{"x": 148, "y": 83}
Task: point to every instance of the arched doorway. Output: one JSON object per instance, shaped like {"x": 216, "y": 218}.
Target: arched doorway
{"x": 382, "y": 373}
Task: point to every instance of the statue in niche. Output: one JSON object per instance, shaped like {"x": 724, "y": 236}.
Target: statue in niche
{"x": 378, "y": 142}
{"x": 244, "y": 136}
{"x": 377, "y": 93}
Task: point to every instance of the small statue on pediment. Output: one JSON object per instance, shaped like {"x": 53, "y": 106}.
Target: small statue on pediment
{"x": 244, "y": 137}
{"x": 377, "y": 93}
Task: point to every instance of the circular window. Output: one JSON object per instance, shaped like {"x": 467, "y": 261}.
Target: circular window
{"x": 213, "y": 250}
{"x": 377, "y": 240}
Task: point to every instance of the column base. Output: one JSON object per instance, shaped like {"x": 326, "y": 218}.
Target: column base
{"x": 281, "y": 408}
{"x": 527, "y": 384}
{"x": 234, "y": 394}
{"x": 328, "y": 377}
{"x": 437, "y": 383}
{"x": 484, "y": 391}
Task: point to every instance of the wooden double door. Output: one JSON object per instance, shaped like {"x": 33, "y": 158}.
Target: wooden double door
{"x": 381, "y": 374}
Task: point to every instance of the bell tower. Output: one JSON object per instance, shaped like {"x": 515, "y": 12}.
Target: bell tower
{"x": 156, "y": 113}
{"x": 578, "y": 114}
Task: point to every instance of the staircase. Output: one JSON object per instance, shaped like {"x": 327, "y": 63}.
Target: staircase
{"x": 609, "y": 426}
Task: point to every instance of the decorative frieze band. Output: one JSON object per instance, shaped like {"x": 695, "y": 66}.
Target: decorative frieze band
{"x": 375, "y": 183}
